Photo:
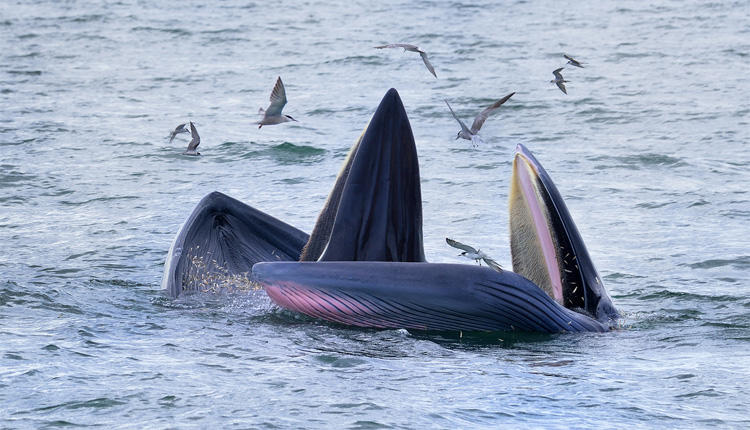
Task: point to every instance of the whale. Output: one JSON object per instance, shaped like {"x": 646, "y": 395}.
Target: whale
{"x": 363, "y": 264}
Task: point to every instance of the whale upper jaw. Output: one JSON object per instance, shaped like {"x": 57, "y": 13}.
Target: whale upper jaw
{"x": 374, "y": 211}
{"x": 546, "y": 246}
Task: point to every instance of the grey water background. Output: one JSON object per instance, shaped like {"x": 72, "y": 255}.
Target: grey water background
{"x": 649, "y": 149}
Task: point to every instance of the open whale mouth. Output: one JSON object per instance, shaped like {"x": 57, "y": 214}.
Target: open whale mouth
{"x": 364, "y": 264}
{"x": 546, "y": 246}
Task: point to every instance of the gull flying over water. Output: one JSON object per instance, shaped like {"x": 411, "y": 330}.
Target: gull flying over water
{"x": 179, "y": 129}
{"x": 193, "y": 145}
{"x": 474, "y": 254}
{"x": 273, "y": 114}
{"x": 572, "y": 61}
{"x": 471, "y": 133}
{"x": 559, "y": 80}
{"x": 412, "y": 48}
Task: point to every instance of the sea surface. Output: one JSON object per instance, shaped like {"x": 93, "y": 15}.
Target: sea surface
{"x": 650, "y": 148}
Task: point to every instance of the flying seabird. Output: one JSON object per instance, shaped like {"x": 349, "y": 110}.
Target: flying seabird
{"x": 193, "y": 145}
{"x": 474, "y": 254}
{"x": 559, "y": 80}
{"x": 273, "y": 114}
{"x": 179, "y": 129}
{"x": 412, "y": 48}
{"x": 471, "y": 133}
{"x": 572, "y": 61}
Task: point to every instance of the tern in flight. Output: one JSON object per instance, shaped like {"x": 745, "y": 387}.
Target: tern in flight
{"x": 273, "y": 114}
{"x": 471, "y": 133}
{"x": 193, "y": 145}
{"x": 179, "y": 129}
{"x": 412, "y": 48}
{"x": 474, "y": 254}
{"x": 572, "y": 61}
{"x": 559, "y": 80}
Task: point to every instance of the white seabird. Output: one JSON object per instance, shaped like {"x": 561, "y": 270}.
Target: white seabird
{"x": 559, "y": 80}
{"x": 273, "y": 114}
{"x": 572, "y": 61}
{"x": 474, "y": 254}
{"x": 412, "y": 48}
{"x": 471, "y": 133}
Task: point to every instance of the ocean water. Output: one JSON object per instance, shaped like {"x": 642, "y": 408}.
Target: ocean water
{"x": 650, "y": 149}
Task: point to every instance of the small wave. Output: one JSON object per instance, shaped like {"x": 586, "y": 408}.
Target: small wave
{"x": 654, "y": 205}
{"x": 98, "y": 199}
{"x": 640, "y": 161}
{"x": 28, "y": 55}
{"x": 223, "y": 30}
{"x": 98, "y": 403}
{"x": 14, "y": 178}
{"x": 369, "y": 60}
{"x": 327, "y": 111}
{"x": 85, "y": 18}
{"x": 175, "y": 31}
{"x": 741, "y": 262}
{"x": 290, "y": 148}
{"x": 641, "y": 294}
{"x": 288, "y": 153}
{"x": 703, "y": 393}
{"x": 25, "y": 72}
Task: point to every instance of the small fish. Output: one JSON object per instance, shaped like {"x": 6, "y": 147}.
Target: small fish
{"x": 179, "y": 129}
{"x": 193, "y": 145}
{"x": 559, "y": 80}
{"x": 273, "y": 114}
{"x": 471, "y": 133}
{"x": 474, "y": 254}
{"x": 572, "y": 61}
{"x": 412, "y": 48}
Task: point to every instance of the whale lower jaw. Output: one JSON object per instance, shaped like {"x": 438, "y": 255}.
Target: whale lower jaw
{"x": 419, "y": 296}
{"x": 546, "y": 246}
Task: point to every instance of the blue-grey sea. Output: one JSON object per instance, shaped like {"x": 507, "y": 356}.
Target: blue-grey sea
{"x": 650, "y": 148}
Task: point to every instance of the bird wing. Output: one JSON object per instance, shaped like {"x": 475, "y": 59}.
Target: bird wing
{"x": 196, "y": 139}
{"x": 557, "y": 73}
{"x": 463, "y": 126}
{"x": 562, "y": 87}
{"x": 573, "y": 61}
{"x": 427, "y": 63}
{"x": 493, "y": 264}
{"x": 278, "y": 99}
{"x": 459, "y": 245}
{"x": 406, "y": 46}
{"x": 482, "y": 117}
{"x": 179, "y": 129}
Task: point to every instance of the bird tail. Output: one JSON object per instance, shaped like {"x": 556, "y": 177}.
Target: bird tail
{"x": 493, "y": 264}
{"x": 476, "y": 140}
